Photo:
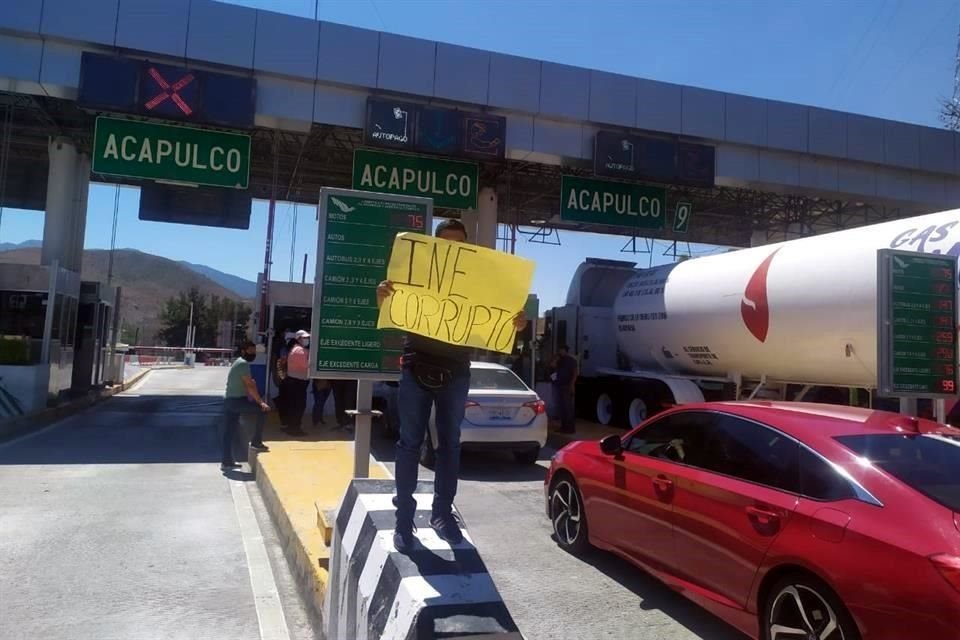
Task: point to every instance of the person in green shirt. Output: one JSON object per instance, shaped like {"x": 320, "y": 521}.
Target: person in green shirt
{"x": 241, "y": 397}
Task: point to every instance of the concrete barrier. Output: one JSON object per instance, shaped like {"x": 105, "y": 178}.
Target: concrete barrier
{"x": 435, "y": 591}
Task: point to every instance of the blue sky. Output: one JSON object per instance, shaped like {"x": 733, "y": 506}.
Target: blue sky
{"x": 888, "y": 58}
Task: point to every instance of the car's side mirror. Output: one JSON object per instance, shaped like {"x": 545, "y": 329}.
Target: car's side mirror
{"x": 611, "y": 445}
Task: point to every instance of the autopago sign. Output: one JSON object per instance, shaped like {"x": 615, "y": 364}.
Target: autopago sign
{"x": 156, "y": 151}
{"x": 610, "y": 203}
{"x": 451, "y": 184}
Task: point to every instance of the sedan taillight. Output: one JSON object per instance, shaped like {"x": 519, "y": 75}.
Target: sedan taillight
{"x": 538, "y": 406}
{"x": 949, "y": 567}
{"x": 470, "y": 403}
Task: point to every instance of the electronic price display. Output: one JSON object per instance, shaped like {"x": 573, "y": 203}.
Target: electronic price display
{"x": 917, "y": 332}
{"x": 354, "y": 242}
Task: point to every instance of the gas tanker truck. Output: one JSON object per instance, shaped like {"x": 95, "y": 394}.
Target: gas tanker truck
{"x": 794, "y": 320}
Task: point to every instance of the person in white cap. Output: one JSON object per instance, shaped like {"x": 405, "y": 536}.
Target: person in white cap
{"x": 298, "y": 378}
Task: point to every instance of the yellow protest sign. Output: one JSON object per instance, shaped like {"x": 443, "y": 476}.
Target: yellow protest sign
{"x": 455, "y": 292}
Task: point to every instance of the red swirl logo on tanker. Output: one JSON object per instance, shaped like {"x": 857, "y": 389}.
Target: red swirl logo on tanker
{"x": 754, "y": 308}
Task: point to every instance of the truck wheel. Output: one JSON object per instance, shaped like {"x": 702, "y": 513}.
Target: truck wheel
{"x": 638, "y": 412}
{"x": 605, "y": 409}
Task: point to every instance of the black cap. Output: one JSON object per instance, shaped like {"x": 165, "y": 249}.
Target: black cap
{"x": 451, "y": 224}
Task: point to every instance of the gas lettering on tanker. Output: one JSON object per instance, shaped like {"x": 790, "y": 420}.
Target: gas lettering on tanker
{"x": 937, "y": 236}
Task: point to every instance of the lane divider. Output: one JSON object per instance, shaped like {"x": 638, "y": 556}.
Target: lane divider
{"x": 435, "y": 591}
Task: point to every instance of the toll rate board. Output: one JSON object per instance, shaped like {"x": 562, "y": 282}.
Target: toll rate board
{"x": 917, "y": 331}
{"x": 354, "y": 241}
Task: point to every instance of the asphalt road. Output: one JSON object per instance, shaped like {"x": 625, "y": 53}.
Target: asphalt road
{"x": 117, "y": 524}
{"x": 551, "y": 594}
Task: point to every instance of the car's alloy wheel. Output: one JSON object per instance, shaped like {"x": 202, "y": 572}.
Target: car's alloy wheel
{"x": 799, "y": 611}
{"x": 566, "y": 512}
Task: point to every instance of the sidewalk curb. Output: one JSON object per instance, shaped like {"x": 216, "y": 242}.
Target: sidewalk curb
{"x": 22, "y": 425}
{"x": 298, "y": 515}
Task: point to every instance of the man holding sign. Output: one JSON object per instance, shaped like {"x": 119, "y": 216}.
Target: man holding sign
{"x": 448, "y": 297}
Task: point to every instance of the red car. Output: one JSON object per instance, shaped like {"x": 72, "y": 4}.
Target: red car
{"x": 790, "y": 521}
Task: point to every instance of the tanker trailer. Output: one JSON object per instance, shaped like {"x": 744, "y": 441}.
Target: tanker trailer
{"x": 777, "y": 320}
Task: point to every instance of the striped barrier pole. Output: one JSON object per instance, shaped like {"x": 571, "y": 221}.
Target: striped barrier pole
{"x": 434, "y": 591}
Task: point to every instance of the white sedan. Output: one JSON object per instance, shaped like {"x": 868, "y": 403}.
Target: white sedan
{"x": 502, "y": 413}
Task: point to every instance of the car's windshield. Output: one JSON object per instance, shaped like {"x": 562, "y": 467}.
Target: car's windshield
{"x": 927, "y": 463}
{"x": 495, "y": 380}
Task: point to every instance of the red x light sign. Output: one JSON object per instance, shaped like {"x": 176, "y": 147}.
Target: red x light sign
{"x": 169, "y": 92}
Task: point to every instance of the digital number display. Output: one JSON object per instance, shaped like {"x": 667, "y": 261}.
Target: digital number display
{"x": 941, "y": 288}
{"x": 918, "y": 346}
{"x": 409, "y": 221}
{"x": 943, "y": 353}
{"x": 941, "y": 273}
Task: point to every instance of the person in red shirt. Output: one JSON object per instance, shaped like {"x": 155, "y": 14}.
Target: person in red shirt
{"x": 297, "y": 380}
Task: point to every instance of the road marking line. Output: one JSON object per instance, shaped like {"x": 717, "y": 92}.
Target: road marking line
{"x": 266, "y": 597}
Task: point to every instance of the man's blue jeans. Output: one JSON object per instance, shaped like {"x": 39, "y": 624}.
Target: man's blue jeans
{"x": 233, "y": 408}
{"x": 566, "y": 407}
{"x": 413, "y": 406}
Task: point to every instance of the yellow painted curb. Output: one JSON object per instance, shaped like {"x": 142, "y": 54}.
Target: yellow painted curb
{"x": 324, "y": 523}
{"x": 301, "y": 481}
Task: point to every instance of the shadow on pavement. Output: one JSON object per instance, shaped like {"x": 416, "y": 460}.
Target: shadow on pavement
{"x": 656, "y": 596}
{"x": 498, "y": 466}
{"x": 483, "y": 466}
{"x": 144, "y": 429}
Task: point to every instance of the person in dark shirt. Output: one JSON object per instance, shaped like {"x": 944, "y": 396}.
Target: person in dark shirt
{"x": 433, "y": 373}
{"x": 564, "y": 380}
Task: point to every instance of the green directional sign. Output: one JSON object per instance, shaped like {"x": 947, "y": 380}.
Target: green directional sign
{"x": 156, "y": 151}
{"x": 610, "y": 203}
{"x": 681, "y": 217}
{"x": 354, "y": 242}
{"x": 917, "y": 315}
{"x": 449, "y": 183}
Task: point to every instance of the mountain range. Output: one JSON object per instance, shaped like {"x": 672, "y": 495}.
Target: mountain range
{"x": 147, "y": 281}
{"x": 243, "y": 288}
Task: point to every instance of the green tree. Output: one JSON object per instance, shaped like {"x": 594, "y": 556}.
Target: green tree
{"x": 208, "y": 313}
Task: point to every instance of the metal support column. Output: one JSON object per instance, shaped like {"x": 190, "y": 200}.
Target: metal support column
{"x": 363, "y": 421}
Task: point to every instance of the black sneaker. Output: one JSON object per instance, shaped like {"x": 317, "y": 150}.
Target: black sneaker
{"x": 229, "y": 466}
{"x": 447, "y": 527}
{"x": 259, "y": 446}
{"x": 403, "y": 539}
